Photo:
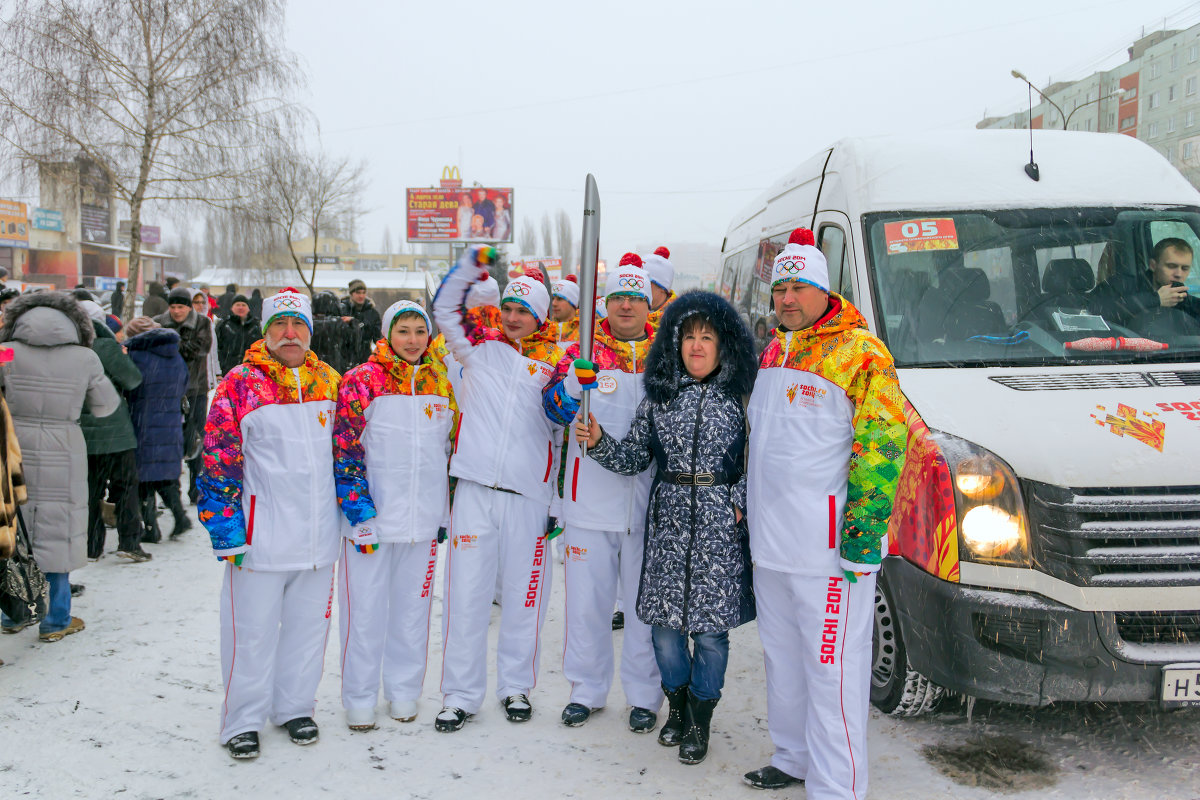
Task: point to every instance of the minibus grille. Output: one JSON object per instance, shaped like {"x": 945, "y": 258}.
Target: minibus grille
{"x": 1159, "y": 627}
{"x": 1116, "y": 537}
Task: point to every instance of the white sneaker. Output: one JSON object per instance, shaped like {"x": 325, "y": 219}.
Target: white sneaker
{"x": 360, "y": 719}
{"x": 403, "y": 711}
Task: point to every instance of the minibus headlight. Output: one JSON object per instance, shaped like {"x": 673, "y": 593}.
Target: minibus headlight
{"x": 992, "y": 526}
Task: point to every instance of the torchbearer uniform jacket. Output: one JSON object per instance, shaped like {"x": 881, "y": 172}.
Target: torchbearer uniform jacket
{"x": 392, "y": 438}
{"x": 827, "y": 432}
{"x": 504, "y": 440}
{"x": 593, "y": 497}
{"x": 267, "y": 488}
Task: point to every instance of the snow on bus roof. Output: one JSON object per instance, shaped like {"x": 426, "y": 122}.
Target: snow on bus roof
{"x": 985, "y": 169}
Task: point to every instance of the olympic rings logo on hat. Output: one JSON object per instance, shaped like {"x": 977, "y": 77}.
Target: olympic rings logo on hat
{"x": 288, "y": 302}
{"x": 792, "y": 266}
{"x": 518, "y": 289}
{"x": 631, "y": 282}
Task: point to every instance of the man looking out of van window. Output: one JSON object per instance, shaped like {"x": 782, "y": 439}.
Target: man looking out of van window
{"x": 1125, "y": 296}
{"x": 826, "y": 399}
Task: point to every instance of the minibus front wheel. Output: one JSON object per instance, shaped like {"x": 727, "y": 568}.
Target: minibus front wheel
{"x": 896, "y": 688}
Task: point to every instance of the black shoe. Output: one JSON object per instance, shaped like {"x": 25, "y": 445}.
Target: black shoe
{"x": 575, "y": 714}
{"x": 517, "y": 708}
{"x": 135, "y": 555}
{"x": 642, "y": 720}
{"x": 450, "y": 719}
{"x": 694, "y": 747}
{"x": 77, "y": 589}
{"x": 244, "y": 745}
{"x": 769, "y": 778}
{"x": 672, "y": 730}
{"x": 182, "y": 525}
{"x": 618, "y": 620}
{"x": 302, "y": 730}
{"x": 152, "y": 536}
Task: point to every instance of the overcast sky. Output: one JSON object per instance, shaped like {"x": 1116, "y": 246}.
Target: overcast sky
{"x": 684, "y": 112}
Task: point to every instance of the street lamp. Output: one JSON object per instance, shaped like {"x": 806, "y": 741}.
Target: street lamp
{"x": 1066, "y": 118}
{"x": 1117, "y": 93}
{"x": 1016, "y": 73}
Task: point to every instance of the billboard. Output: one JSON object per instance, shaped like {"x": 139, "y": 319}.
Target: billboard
{"x": 460, "y": 215}
{"x": 14, "y": 224}
{"x": 551, "y": 266}
{"x": 151, "y": 234}
{"x": 46, "y": 219}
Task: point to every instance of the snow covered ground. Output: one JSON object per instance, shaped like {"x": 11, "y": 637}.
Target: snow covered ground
{"x": 129, "y": 708}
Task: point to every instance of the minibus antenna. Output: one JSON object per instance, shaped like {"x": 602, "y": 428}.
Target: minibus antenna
{"x": 1031, "y": 169}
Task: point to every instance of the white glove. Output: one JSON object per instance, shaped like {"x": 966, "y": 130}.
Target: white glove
{"x": 364, "y": 538}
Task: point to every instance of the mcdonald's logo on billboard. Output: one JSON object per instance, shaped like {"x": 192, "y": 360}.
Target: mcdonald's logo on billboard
{"x": 451, "y": 178}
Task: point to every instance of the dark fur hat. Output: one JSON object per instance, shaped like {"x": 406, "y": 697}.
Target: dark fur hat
{"x": 664, "y": 366}
{"x": 59, "y": 301}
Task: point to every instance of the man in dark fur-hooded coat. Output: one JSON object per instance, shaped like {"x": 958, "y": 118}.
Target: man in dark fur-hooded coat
{"x": 53, "y": 376}
{"x": 696, "y": 572}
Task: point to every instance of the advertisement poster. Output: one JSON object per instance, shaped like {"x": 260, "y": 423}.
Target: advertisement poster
{"x": 14, "y": 224}
{"x": 551, "y": 266}
{"x": 93, "y": 224}
{"x": 460, "y": 215}
{"x": 45, "y": 219}
{"x": 151, "y": 234}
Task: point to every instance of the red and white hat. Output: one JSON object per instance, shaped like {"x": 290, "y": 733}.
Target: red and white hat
{"x": 629, "y": 278}
{"x": 659, "y": 268}
{"x": 801, "y": 261}
{"x": 530, "y": 293}
{"x": 567, "y": 289}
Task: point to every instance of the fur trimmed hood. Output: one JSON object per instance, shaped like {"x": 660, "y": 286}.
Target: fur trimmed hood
{"x": 56, "y": 301}
{"x": 664, "y": 366}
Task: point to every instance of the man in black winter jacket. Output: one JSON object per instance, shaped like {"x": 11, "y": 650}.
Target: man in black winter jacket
{"x": 359, "y": 308}
{"x": 225, "y": 301}
{"x": 236, "y": 333}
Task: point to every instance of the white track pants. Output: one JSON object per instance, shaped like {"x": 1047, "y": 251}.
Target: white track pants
{"x": 816, "y": 637}
{"x": 595, "y": 564}
{"x": 273, "y": 631}
{"x": 384, "y": 603}
{"x": 493, "y": 531}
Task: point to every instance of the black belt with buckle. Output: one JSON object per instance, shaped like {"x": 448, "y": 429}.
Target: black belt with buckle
{"x": 695, "y": 478}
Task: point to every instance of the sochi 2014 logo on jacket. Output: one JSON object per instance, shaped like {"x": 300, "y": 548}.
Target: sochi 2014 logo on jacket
{"x": 808, "y": 395}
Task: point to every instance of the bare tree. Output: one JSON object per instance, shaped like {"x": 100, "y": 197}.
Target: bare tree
{"x": 299, "y": 195}
{"x": 528, "y": 240}
{"x": 547, "y": 236}
{"x": 165, "y": 98}
{"x": 562, "y": 224}
{"x": 387, "y": 241}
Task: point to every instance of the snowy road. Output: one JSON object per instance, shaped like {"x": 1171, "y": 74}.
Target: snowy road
{"x": 129, "y": 707}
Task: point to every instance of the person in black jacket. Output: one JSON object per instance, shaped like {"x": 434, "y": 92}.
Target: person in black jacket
{"x": 195, "y": 340}
{"x": 155, "y": 302}
{"x": 225, "y": 302}
{"x": 359, "y": 308}
{"x": 256, "y": 300}
{"x": 696, "y": 572}
{"x": 236, "y": 333}
{"x": 1139, "y": 298}
{"x": 336, "y": 338}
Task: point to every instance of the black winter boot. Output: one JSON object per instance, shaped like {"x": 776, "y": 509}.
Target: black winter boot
{"x": 672, "y": 730}
{"x": 694, "y": 747}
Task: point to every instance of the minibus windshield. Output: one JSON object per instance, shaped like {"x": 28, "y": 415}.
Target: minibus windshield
{"x": 1060, "y": 286}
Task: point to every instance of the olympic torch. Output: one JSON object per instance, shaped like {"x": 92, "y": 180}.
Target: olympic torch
{"x": 589, "y": 254}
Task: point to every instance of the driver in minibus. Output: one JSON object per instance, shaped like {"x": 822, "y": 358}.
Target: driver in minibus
{"x": 1126, "y": 296}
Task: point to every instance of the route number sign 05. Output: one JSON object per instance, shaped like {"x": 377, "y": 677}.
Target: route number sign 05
{"x": 915, "y": 235}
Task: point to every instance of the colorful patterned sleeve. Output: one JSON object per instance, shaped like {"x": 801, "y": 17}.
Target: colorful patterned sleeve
{"x": 876, "y": 458}
{"x": 220, "y": 482}
{"x": 349, "y": 456}
{"x": 557, "y": 402}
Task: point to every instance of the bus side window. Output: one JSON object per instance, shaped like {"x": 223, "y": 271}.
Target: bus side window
{"x": 728, "y": 274}
{"x": 833, "y": 247}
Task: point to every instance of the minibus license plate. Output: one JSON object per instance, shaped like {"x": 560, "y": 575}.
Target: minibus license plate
{"x": 1181, "y": 685}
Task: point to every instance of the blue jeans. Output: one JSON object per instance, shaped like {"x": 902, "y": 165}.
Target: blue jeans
{"x": 58, "y": 612}
{"x": 703, "y": 670}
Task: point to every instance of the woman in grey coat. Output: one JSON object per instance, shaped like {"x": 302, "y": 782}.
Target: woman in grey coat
{"x": 53, "y": 375}
{"x": 696, "y": 573}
